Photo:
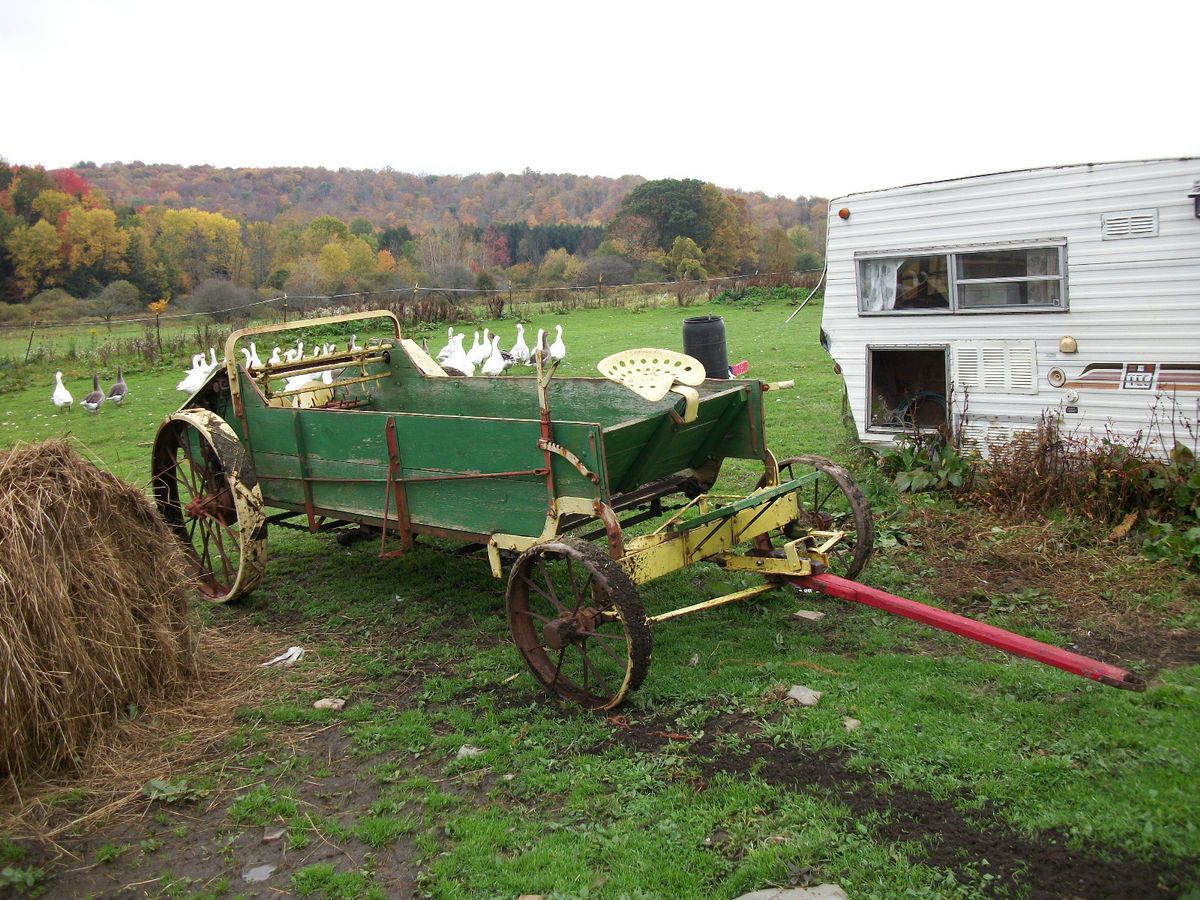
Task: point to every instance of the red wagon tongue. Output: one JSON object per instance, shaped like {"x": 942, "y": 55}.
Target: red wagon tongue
{"x": 1016, "y": 644}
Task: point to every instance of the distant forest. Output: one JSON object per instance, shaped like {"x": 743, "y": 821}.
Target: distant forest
{"x": 115, "y": 238}
{"x": 388, "y": 197}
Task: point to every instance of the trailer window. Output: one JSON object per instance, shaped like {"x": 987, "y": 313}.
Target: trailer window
{"x": 1010, "y": 278}
{"x": 999, "y": 279}
{"x": 905, "y": 282}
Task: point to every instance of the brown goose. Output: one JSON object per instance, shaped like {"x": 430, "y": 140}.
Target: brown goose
{"x": 95, "y": 399}
{"x": 118, "y": 391}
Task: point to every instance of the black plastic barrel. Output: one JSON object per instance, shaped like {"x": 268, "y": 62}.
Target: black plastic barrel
{"x": 704, "y": 338}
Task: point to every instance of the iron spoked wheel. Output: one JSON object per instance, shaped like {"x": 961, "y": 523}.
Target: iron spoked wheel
{"x": 207, "y": 493}
{"x": 833, "y": 501}
{"x": 578, "y": 622}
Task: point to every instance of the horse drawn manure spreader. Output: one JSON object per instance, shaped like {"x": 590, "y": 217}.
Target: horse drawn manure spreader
{"x": 547, "y": 473}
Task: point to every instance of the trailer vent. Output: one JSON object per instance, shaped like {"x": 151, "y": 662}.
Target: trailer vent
{"x": 980, "y": 435}
{"x": 995, "y": 367}
{"x": 1132, "y": 223}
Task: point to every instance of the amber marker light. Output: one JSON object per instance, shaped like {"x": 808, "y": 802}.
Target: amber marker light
{"x": 844, "y": 213}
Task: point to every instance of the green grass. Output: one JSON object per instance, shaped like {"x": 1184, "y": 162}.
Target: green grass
{"x": 558, "y": 804}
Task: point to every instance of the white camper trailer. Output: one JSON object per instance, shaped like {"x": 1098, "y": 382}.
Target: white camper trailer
{"x": 982, "y": 303}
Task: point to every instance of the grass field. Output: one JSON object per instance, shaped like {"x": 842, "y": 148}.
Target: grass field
{"x": 971, "y": 774}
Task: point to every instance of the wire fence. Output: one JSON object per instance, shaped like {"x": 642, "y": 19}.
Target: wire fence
{"x": 416, "y": 292}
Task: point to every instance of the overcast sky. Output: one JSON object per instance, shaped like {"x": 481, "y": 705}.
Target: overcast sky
{"x": 780, "y": 97}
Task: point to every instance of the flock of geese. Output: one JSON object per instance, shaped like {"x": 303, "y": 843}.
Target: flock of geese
{"x": 487, "y": 356}
{"x": 62, "y": 399}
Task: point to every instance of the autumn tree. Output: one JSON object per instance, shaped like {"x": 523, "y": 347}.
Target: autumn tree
{"x": 730, "y": 246}
{"x": 776, "y": 253}
{"x": 558, "y": 267}
{"x": 198, "y": 245}
{"x": 674, "y": 206}
{"x": 333, "y": 263}
{"x": 51, "y": 205}
{"x": 630, "y": 236}
{"x": 394, "y": 238}
{"x": 686, "y": 260}
{"x": 95, "y": 248}
{"x": 361, "y": 260}
{"x": 687, "y": 208}
{"x": 362, "y": 228}
{"x": 260, "y": 250}
{"x": 28, "y": 184}
{"x": 322, "y": 230}
{"x": 34, "y": 251}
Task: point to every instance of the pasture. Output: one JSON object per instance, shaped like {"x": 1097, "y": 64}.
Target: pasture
{"x": 970, "y": 773}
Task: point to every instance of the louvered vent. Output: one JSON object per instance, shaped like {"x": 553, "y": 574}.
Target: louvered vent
{"x": 981, "y": 435}
{"x": 995, "y": 367}
{"x": 1133, "y": 223}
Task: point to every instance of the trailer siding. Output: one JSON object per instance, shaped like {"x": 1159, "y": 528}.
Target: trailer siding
{"x": 1134, "y": 300}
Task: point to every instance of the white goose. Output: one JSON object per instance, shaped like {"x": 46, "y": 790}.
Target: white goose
{"x": 275, "y": 359}
{"x": 211, "y": 365}
{"x": 458, "y": 360}
{"x": 195, "y": 376}
{"x": 539, "y": 346}
{"x": 479, "y": 351}
{"x": 251, "y": 356}
{"x": 444, "y": 353}
{"x": 520, "y": 350}
{"x": 61, "y": 397}
{"x": 558, "y": 350}
{"x": 494, "y": 365}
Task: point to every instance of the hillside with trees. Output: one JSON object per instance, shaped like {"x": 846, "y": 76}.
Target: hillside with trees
{"x": 111, "y": 239}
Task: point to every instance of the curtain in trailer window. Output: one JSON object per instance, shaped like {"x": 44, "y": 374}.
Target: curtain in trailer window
{"x": 878, "y": 284}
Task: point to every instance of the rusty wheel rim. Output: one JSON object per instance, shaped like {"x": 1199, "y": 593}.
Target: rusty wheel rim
{"x": 196, "y": 498}
{"x": 832, "y": 501}
{"x": 577, "y": 623}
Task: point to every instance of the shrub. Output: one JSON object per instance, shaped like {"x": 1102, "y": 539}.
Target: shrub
{"x": 14, "y": 314}
{"x": 219, "y": 298}
{"x": 55, "y": 305}
{"x": 1103, "y": 479}
{"x": 926, "y": 461}
{"x": 116, "y": 298}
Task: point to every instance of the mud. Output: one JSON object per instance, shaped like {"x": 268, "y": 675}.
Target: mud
{"x": 970, "y": 844}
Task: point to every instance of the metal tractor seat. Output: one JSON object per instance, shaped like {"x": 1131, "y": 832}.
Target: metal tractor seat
{"x": 652, "y": 374}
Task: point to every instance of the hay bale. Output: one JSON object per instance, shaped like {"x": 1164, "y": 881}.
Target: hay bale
{"x": 94, "y": 606}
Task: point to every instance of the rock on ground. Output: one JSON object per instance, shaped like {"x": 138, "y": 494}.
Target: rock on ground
{"x": 819, "y": 892}
{"x": 804, "y": 696}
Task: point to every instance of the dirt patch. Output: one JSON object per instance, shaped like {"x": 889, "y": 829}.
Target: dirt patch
{"x": 969, "y": 844}
{"x": 1090, "y": 588}
{"x": 1153, "y": 648}
{"x": 193, "y": 847}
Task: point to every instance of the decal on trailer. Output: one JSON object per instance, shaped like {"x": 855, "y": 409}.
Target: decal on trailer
{"x": 1138, "y": 376}
{"x": 1169, "y": 377}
